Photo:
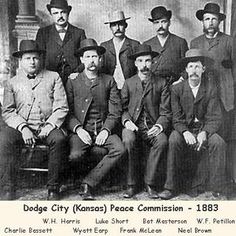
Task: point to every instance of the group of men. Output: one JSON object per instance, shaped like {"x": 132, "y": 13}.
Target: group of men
{"x": 119, "y": 99}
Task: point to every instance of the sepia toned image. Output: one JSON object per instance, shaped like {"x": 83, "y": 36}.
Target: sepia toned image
{"x": 117, "y": 100}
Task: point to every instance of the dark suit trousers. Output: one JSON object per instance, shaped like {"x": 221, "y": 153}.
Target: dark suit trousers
{"x": 207, "y": 166}
{"x": 11, "y": 143}
{"x": 81, "y": 152}
{"x": 158, "y": 148}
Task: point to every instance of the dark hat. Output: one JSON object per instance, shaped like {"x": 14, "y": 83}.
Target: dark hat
{"x": 193, "y": 55}
{"x": 212, "y": 8}
{"x": 27, "y": 46}
{"x": 61, "y": 4}
{"x": 142, "y": 50}
{"x": 116, "y": 16}
{"x": 89, "y": 44}
{"x": 160, "y": 12}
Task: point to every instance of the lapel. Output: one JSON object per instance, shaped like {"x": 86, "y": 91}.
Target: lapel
{"x": 125, "y": 45}
{"x": 148, "y": 87}
{"x": 111, "y": 47}
{"x": 138, "y": 87}
{"x": 37, "y": 79}
{"x": 55, "y": 35}
{"x": 187, "y": 93}
{"x": 68, "y": 35}
{"x": 201, "y": 92}
{"x": 214, "y": 43}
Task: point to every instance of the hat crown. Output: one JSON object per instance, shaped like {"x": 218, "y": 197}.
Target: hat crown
{"x": 160, "y": 12}
{"x": 28, "y": 45}
{"x": 61, "y": 4}
{"x": 88, "y": 43}
{"x": 116, "y": 16}
{"x": 212, "y": 7}
{"x": 143, "y": 49}
{"x": 194, "y": 53}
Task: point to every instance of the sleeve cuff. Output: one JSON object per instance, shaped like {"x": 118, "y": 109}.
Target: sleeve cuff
{"x": 160, "y": 126}
{"x": 76, "y": 127}
{"x": 109, "y": 132}
{"x": 21, "y": 126}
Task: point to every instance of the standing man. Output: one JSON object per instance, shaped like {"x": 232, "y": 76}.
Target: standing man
{"x": 60, "y": 40}
{"x": 95, "y": 110}
{"x": 220, "y": 48}
{"x": 194, "y": 145}
{"x": 146, "y": 118}
{"x": 171, "y": 48}
{"x": 116, "y": 60}
{"x": 34, "y": 108}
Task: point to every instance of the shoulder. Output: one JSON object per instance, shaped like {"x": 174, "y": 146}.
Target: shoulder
{"x": 151, "y": 40}
{"x": 106, "y": 43}
{"x": 133, "y": 41}
{"x": 198, "y": 39}
{"x": 177, "y": 38}
{"x": 76, "y": 29}
{"x": 45, "y": 29}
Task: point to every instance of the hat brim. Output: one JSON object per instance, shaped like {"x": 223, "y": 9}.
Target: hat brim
{"x": 20, "y": 53}
{"x": 100, "y": 50}
{"x": 152, "y": 53}
{"x": 200, "y": 13}
{"x": 109, "y": 22}
{"x": 207, "y": 61}
{"x": 168, "y": 16}
{"x": 51, "y": 6}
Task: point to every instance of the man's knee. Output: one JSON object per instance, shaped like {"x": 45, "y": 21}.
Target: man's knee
{"x": 117, "y": 145}
{"x": 215, "y": 141}
{"x": 175, "y": 139}
{"x": 160, "y": 141}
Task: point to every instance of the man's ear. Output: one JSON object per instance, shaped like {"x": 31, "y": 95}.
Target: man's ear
{"x": 81, "y": 59}
{"x": 204, "y": 68}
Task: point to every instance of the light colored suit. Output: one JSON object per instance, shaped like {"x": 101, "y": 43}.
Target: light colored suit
{"x": 46, "y": 91}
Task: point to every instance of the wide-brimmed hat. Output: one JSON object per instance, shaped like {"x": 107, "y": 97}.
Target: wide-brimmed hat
{"x": 193, "y": 55}
{"x": 212, "y": 8}
{"x": 116, "y": 16}
{"x": 27, "y": 46}
{"x": 89, "y": 44}
{"x": 160, "y": 12}
{"x": 143, "y": 50}
{"x": 61, "y": 4}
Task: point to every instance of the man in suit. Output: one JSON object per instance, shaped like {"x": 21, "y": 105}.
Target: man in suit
{"x": 95, "y": 110}
{"x": 171, "y": 48}
{"x": 146, "y": 118}
{"x": 219, "y": 47}
{"x": 60, "y": 40}
{"x": 116, "y": 60}
{"x": 194, "y": 145}
{"x": 34, "y": 108}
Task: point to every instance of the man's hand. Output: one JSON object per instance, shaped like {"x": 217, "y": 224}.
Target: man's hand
{"x": 102, "y": 137}
{"x": 73, "y": 75}
{"x": 201, "y": 138}
{"x": 45, "y": 131}
{"x": 84, "y": 136}
{"x": 131, "y": 126}
{"x": 154, "y": 131}
{"x": 28, "y": 136}
{"x": 189, "y": 138}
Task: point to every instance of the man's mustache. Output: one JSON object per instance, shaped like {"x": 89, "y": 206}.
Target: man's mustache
{"x": 61, "y": 18}
{"x": 145, "y": 69}
{"x": 92, "y": 65}
{"x": 194, "y": 75}
{"x": 118, "y": 31}
{"x": 160, "y": 29}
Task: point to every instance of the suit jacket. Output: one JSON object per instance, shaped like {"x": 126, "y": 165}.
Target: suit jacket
{"x": 156, "y": 96}
{"x": 170, "y": 54}
{"x": 47, "y": 91}
{"x": 205, "y": 107}
{"x": 221, "y": 51}
{"x": 109, "y": 58}
{"x": 57, "y": 50}
{"x": 80, "y": 97}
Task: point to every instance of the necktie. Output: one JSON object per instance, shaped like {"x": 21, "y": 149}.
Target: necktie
{"x": 63, "y": 30}
{"x": 31, "y": 76}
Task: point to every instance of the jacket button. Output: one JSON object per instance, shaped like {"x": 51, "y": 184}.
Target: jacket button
{"x": 137, "y": 109}
{"x": 83, "y": 111}
{"x": 86, "y": 100}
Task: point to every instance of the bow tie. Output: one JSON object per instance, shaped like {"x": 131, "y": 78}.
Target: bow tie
{"x": 63, "y": 30}
{"x": 31, "y": 76}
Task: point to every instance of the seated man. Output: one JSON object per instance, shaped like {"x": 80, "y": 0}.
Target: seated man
{"x": 146, "y": 117}
{"x": 95, "y": 110}
{"x": 196, "y": 119}
{"x": 34, "y": 108}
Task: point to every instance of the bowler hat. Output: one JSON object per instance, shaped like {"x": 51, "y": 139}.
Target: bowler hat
{"x": 116, "y": 16}
{"x": 193, "y": 55}
{"x": 212, "y": 8}
{"x": 61, "y": 4}
{"x": 160, "y": 12}
{"x": 27, "y": 46}
{"x": 142, "y": 50}
{"x": 89, "y": 44}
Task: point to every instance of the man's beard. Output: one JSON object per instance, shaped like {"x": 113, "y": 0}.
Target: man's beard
{"x": 210, "y": 30}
